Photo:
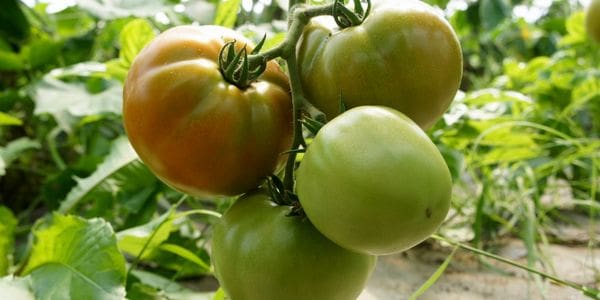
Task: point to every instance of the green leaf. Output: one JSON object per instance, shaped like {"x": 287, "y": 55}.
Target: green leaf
{"x": 493, "y": 12}
{"x": 82, "y": 69}
{"x": 274, "y": 40}
{"x": 6, "y": 119}
{"x": 10, "y": 61}
{"x": 490, "y": 104}
{"x": 509, "y": 154}
{"x": 583, "y": 93}
{"x": 134, "y": 36}
{"x": 219, "y": 295}
{"x": 140, "y": 291}
{"x": 111, "y": 9}
{"x": 454, "y": 159}
{"x": 146, "y": 237}
{"x": 121, "y": 156}
{"x": 576, "y": 32}
{"x": 74, "y": 258}
{"x": 68, "y": 101}
{"x": 18, "y": 288}
{"x": 156, "y": 281}
{"x": 521, "y": 73}
{"x": 167, "y": 287}
{"x": 116, "y": 69}
{"x": 73, "y": 22}
{"x": 12, "y": 151}
{"x": 14, "y": 24}
{"x": 186, "y": 254}
{"x": 227, "y": 12}
{"x": 434, "y": 277}
{"x": 41, "y": 52}
{"x": 7, "y": 239}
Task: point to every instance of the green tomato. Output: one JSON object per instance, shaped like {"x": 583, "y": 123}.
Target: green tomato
{"x": 592, "y": 20}
{"x": 404, "y": 55}
{"x": 261, "y": 252}
{"x": 373, "y": 182}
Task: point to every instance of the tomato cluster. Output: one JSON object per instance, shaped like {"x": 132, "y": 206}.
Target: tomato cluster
{"x": 370, "y": 183}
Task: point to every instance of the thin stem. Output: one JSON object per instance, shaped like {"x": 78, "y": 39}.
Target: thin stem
{"x": 292, "y": 3}
{"x": 299, "y": 16}
{"x": 171, "y": 216}
{"x": 588, "y": 291}
{"x": 297, "y": 102}
{"x": 51, "y": 139}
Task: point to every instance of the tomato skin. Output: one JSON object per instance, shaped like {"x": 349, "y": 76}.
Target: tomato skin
{"x": 592, "y": 20}
{"x": 373, "y": 182}
{"x": 261, "y": 253}
{"x": 194, "y": 130}
{"x": 404, "y": 56}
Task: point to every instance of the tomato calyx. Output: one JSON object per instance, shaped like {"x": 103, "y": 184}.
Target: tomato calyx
{"x": 297, "y": 210}
{"x": 344, "y": 17}
{"x": 283, "y": 197}
{"x": 312, "y": 125}
{"x": 236, "y": 68}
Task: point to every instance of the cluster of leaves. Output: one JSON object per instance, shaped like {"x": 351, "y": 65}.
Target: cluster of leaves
{"x": 78, "y": 209}
{"x": 75, "y": 201}
{"x": 524, "y": 138}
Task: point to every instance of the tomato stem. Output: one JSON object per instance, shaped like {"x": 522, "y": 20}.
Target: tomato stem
{"x": 297, "y": 104}
{"x": 299, "y": 16}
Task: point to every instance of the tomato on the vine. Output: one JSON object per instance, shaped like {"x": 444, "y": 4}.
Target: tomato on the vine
{"x": 592, "y": 20}
{"x": 261, "y": 252}
{"x": 404, "y": 55}
{"x": 373, "y": 182}
{"x": 194, "y": 130}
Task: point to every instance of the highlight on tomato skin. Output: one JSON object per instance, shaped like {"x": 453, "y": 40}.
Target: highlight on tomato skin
{"x": 404, "y": 55}
{"x": 261, "y": 252}
{"x": 195, "y": 131}
{"x": 373, "y": 182}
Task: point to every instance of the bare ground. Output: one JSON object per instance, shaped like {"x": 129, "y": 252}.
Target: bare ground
{"x": 398, "y": 276}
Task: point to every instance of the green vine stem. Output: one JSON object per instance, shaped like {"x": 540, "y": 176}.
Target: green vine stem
{"x": 299, "y": 16}
{"x": 586, "y": 290}
{"x": 297, "y": 103}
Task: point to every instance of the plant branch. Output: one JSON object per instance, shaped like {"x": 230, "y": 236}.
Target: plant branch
{"x": 299, "y": 18}
{"x": 297, "y": 104}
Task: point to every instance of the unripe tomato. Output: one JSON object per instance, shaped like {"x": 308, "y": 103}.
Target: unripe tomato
{"x": 373, "y": 182}
{"x": 404, "y": 55}
{"x": 260, "y": 252}
{"x": 592, "y": 20}
{"x": 194, "y": 130}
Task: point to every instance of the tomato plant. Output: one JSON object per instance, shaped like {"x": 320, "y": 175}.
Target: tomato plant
{"x": 592, "y": 20}
{"x": 193, "y": 129}
{"x": 260, "y": 251}
{"x": 404, "y": 55}
{"x": 373, "y": 182}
